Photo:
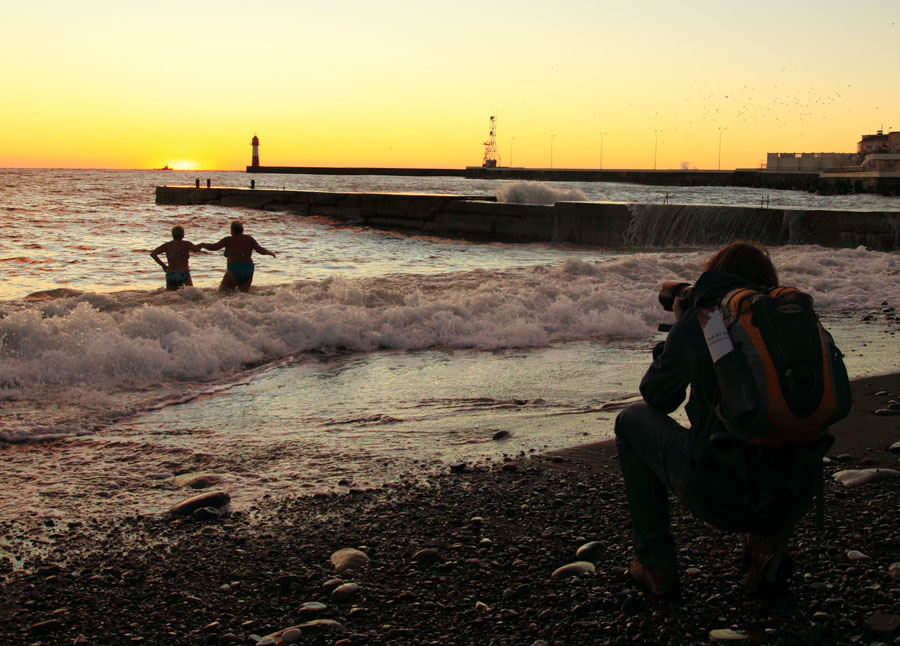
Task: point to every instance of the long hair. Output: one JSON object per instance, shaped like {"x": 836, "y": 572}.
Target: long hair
{"x": 746, "y": 259}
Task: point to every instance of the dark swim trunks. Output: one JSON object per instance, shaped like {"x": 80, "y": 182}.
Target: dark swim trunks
{"x": 243, "y": 271}
{"x": 176, "y": 279}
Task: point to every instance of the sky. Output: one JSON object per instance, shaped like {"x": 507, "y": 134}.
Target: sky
{"x": 399, "y": 83}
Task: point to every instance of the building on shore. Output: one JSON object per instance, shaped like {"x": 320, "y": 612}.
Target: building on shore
{"x": 874, "y": 153}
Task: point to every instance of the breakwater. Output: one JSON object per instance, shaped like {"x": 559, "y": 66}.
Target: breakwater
{"x": 603, "y": 224}
{"x": 824, "y": 183}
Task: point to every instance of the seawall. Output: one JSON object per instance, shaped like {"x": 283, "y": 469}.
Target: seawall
{"x": 813, "y": 181}
{"x": 603, "y": 224}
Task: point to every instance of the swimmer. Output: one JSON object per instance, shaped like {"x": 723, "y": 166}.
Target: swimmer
{"x": 178, "y": 253}
{"x": 239, "y": 248}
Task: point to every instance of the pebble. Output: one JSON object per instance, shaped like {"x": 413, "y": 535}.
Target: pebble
{"x": 692, "y": 571}
{"x": 589, "y": 551}
{"x": 885, "y": 412}
{"x": 728, "y": 635}
{"x": 426, "y": 556}
{"x": 894, "y": 570}
{"x": 317, "y": 626}
{"x": 208, "y": 499}
{"x": 207, "y": 513}
{"x": 884, "y": 623}
{"x": 312, "y": 608}
{"x": 348, "y": 558}
{"x": 576, "y": 568}
{"x": 290, "y": 636}
{"x": 345, "y": 591}
{"x": 500, "y": 435}
{"x": 856, "y": 555}
{"x": 854, "y": 477}
{"x": 197, "y": 480}
{"x": 894, "y": 448}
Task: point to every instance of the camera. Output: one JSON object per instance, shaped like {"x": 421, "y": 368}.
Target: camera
{"x": 673, "y": 289}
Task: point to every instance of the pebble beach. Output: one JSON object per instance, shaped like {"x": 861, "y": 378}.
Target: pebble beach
{"x": 530, "y": 551}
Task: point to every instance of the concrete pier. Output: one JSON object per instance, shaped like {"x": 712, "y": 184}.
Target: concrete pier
{"x": 603, "y": 224}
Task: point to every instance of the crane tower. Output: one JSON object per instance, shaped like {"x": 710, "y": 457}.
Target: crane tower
{"x": 491, "y": 156}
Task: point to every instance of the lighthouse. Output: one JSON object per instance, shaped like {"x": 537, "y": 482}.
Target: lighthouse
{"x": 255, "y": 159}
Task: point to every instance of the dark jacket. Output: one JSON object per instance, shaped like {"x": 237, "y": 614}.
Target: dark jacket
{"x": 732, "y": 485}
{"x": 683, "y": 360}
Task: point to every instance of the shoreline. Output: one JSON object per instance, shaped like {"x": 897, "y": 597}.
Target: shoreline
{"x": 467, "y": 558}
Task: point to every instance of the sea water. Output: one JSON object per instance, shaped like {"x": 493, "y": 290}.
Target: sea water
{"x": 359, "y": 357}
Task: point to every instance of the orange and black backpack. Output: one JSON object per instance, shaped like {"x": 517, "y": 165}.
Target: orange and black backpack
{"x": 785, "y": 381}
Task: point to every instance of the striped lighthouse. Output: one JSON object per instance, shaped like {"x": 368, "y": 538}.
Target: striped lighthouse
{"x": 254, "y": 163}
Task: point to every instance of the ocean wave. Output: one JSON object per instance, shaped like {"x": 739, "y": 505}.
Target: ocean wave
{"x": 104, "y": 356}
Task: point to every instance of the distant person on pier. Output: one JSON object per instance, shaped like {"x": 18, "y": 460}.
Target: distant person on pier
{"x": 239, "y": 248}
{"x": 178, "y": 254}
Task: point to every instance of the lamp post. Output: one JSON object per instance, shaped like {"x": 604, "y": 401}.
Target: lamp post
{"x": 720, "y": 146}
{"x": 655, "y": 146}
{"x": 601, "y": 150}
{"x": 552, "y": 135}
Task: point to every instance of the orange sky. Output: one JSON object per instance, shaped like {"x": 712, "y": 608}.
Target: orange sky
{"x": 107, "y": 84}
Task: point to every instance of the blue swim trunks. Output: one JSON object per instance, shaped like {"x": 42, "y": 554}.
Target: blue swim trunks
{"x": 176, "y": 279}
{"x": 243, "y": 271}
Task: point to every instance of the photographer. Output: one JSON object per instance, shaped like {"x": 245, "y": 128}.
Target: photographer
{"x": 761, "y": 491}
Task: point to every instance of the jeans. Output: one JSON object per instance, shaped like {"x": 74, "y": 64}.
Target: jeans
{"x": 732, "y": 486}
{"x": 654, "y": 455}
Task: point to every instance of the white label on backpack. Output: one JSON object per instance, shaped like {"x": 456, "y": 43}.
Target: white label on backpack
{"x": 716, "y": 334}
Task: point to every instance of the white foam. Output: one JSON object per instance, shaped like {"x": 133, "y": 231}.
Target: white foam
{"x": 525, "y": 192}
{"x": 112, "y": 354}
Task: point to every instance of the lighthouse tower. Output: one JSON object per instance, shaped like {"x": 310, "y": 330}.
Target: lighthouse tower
{"x": 255, "y": 159}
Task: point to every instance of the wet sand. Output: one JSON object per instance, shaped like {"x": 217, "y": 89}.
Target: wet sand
{"x": 467, "y": 558}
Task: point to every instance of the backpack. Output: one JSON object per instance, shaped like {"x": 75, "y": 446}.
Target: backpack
{"x": 784, "y": 383}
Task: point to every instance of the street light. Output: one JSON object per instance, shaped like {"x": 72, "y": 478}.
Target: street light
{"x": 720, "y": 146}
{"x": 655, "y": 146}
{"x": 552, "y": 135}
{"x": 601, "y": 150}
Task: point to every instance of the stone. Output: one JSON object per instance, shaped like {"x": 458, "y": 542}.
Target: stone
{"x": 728, "y": 635}
{"x": 317, "y": 626}
{"x": 458, "y": 467}
{"x": 885, "y": 412}
{"x": 290, "y": 636}
{"x": 589, "y": 551}
{"x": 894, "y": 570}
{"x": 855, "y": 477}
{"x": 348, "y": 558}
{"x": 894, "y": 448}
{"x": 345, "y": 591}
{"x": 426, "y": 556}
{"x": 208, "y": 499}
{"x": 197, "y": 480}
{"x": 501, "y": 435}
{"x": 883, "y": 623}
{"x": 288, "y": 582}
{"x": 207, "y": 513}
{"x": 856, "y": 555}
{"x": 312, "y": 608}
{"x": 574, "y": 569}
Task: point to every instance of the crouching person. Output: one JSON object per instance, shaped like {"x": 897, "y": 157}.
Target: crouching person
{"x": 752, "y": 468}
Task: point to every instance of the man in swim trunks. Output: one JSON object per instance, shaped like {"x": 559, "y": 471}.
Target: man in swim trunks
{"x": 178, "y": 253}
{"x": 239, "y": 248}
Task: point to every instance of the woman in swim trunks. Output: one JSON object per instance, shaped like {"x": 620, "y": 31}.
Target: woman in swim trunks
{"x": 178, "y": 254}
{"x": 239, "y": 249}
